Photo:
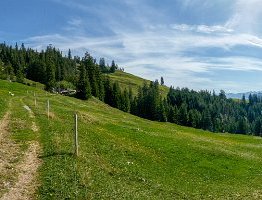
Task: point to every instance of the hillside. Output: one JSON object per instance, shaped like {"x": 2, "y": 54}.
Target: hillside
{"x": 121, "y": 156}
{"x": 126, "y": 80}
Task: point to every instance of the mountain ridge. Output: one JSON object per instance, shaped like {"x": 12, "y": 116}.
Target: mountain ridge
{"x": 240, "y": 94}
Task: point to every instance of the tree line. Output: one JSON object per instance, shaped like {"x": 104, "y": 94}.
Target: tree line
{"x": 204, "y": 109}
{"x": 57, "y": 71}
{"x": 48, "y": 66}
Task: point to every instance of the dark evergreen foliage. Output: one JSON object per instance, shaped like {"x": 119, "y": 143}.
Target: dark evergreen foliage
{"x": 162, "y": 81}
{"x": 83, "y": 86}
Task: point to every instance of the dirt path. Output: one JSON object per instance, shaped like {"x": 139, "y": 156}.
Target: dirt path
{"x": 25, "y": 186}
{"x": 3, "y": 144}
{"x": 4, "y": 125}
{"x": 8, "y": 155}
{"x": 18, "y": 177}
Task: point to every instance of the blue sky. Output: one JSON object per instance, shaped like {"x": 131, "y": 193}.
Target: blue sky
{"x": 200, "y": 44}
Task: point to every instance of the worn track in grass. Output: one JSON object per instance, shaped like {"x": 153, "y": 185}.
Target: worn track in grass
{"x": 19, "y": 174}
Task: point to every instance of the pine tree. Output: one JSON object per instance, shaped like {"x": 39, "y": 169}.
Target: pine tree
{"x": 116, "y": 95}
{"x": 9, "y": 71}
{"x": 113, "y": 67}
{"x": 20, "y": 75}
{"x": 173, "y": 114}
{"x": 50, "y": 68}
{"x": 183, "y": 115}
{"x": 162, "y": 116}
{"x": 50, "y": 76}
{"x": 108, "y": 91}
{"x": 83, "y": 86}
{"x": 162, "y": 80}
{"x": 92, "y": 72}
{"x": 194, "y": 118}
{"x": 243, "y": 101}
{"x": 242, "y": 126}
{"x": 207, "y": 120}
{"x": 222, "y": 94}
{"x": 102, "y": 65}
{"x": 69, "y": 56}
{"x": 125, "y": 101}
{"x": 130, "y": 94}
{"x": 257, "y": 127}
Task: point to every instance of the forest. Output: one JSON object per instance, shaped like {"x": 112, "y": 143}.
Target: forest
{"x": 199, "y": 109}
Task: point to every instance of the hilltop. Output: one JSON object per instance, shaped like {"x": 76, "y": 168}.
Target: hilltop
{"x": 127, "y": 80}
{"x": 122, "y": 156}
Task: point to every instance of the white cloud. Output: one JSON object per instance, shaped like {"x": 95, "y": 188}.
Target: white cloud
{"x": 247, "y": 16}
{"x": 154, "y": 52}
{"x": 76, "y": 22}
{"x": 157, "y": 49}
{"x": 202, "y": 28}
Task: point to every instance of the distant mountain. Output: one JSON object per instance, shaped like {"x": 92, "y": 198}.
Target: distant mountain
{"x": 239, "y": 95}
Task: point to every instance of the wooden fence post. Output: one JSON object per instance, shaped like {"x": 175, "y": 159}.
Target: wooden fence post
{"x": 76, "y": 135}
{"x": 48, "y": 106}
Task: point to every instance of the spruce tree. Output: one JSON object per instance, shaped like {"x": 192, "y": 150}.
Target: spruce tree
{"x": 162, "y": 81}
{"x": 116, "y": 95}
{"x": 183, "y": 115}
{"x": 50, "y": 76}
{"x": 20, "y": 75}
{"x": 83, "y": 86}
{"x": 102, "y": 65}
{"x": 108, "y": 91}
{"x": 125, "y": 101}
{"x": 257, "y": 127}
{"x": 113, "y": 67}
{"x": 242, "y": 126}
{"x": 207, "y": 120}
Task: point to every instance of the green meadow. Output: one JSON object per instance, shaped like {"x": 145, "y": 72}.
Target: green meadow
{"x": 122, "y": 156}
{"x": 127, "y": 80}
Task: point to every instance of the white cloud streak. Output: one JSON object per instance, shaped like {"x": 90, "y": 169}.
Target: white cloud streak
{"x": 159, "y": 49}
{"x": 246, "y": 16}
{"x": 202, "y": 28}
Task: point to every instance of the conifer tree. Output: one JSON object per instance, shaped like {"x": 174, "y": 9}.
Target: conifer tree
{"x": 257, "y": 127}
{"x": 116, "y": 95}
{"x": 102, "y": 65}
{"x": 108, "y": 91}
{"x": 20, "y": 75}
{"x": 162, "y": 81}
{"x": 83, "y": 86}
{"x": 69, "y": 54}
{"x": 50, "y": 75}
{"x": 242, "y": 126}
{"x": 183, "y": 115}
{"x": 125, "y": 103}
{"x": 162, "y": 116}
{"x": 207, "y": 120}
{"x": 91, "y": 69}
{"x": 113, "y": 67}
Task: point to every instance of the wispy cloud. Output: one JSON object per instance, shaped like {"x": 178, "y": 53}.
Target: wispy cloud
{"x": 146, "y": 45}
{"x": 75, "y": 22}
{"x": 246, "y": 16}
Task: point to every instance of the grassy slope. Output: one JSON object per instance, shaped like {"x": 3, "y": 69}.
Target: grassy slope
{"x": 125, "y": 157}
{"x": 125, "y": 80}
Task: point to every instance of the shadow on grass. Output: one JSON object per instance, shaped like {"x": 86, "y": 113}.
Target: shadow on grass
{"x": 54, "y": 154}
